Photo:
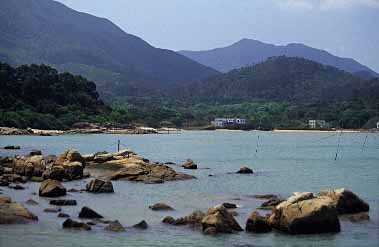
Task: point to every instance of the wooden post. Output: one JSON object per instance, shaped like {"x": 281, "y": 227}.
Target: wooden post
{"x": 118, "y": 145}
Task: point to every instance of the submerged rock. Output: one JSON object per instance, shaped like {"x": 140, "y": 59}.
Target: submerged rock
{"x": 52, "y": 210}
{"x": 88, "y": 213}
{"x": 99, "y": 186}
{"x": 346, "y": 201}
{"x": 228, "y": 205}
{"x": 141, "y": 225}
{"x": 71, "y": 224}
{"x": 115, "y": 226}
{"x": 63, "y": 215}
{"x": 257, "y": 223}
{"x": 13, "y": 212}
{"x": 303, "y": 213}
{"x": 63, "y": 202}
{"x": 31, "y": 202}
{"x": 11, "y": 147}
{"x": 160, "y": 207}
{"x": 52, "y": 188}
{"x": 245, "y": 170}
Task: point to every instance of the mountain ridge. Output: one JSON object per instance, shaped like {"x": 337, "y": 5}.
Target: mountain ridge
{"x": 249, "y": 51}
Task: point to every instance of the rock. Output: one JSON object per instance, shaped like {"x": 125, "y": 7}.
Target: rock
{"x": 69, "y": 223}
{"x": 266, "y": 197}
{"x": 13, "y": 212}
{"x": 346, "y": 201}
{"x": 115, "y": 226}
{"x": 229, "y": 205}
{"x": 18, "y": 187}
{"x": 51, "y": 188}
{"x": 189, "y": 164}
{"x": 304, "y": 214}
{"x": 219, "y": 220}
{"x": 63, "y": 215}
{"x": 141, "y": 225}
{"x": 73, "y": 190}
{"x": 91, "y": 223}
{"x": 88, "y": 213}
{"x": 35, "y": 152}
{"x": 31, "y": 202}
{"x": 52, "y": 210}
{"x": 73, "y": 170}
{"x": 257, "y": 223}
{"x": 245, "y": 170}
{"x": 70, "y": 155}
{"x": 160, "y": 207}
{"x": 169, "y": 220}
{"x": 63, "y": 202}
{"x": 99, "y": 186}
{"x": 29, "y": 166}
{"x": 36, "y": 179}
{"x": 12, "y": 147}
{"x": 272, "y": 203}
{"x": 55, "y": 173}
{"x": 358, "y": 217}
{"x": 101, "y": 158}
{"x": 234, "y": 213}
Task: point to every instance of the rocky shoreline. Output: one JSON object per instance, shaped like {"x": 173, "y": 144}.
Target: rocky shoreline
{"x": 39, "y": 132}
{"x": 301, "y": 213}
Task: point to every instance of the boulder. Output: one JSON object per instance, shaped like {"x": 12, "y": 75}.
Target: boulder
{"x": 35, "y": 152}
{"x": 29, "y": 166}
{"x": 257, "y": 223}
{"x": 52, "y": 210}
{"x": 88, "y": 213}
{"x": 71, "y": 224}
{"x": 36, "y": 179}
{"x": 31, "y": 202}
{"x": 228, "y": 205}
{"x": 305, "y": 214}
{"x": 70, "y": 155}
{"x": 160, "y": 207}
{"x": 219, "y": 220}
{"x": 56, "y": 172}
{"x": 266, "y": 197}
{"x": 102, "y": 157}
{"x": 11, "y": 147}
{"x": 189, "y": 164}
{"x": 73, "y": 170}
{"x": 169, "y": 220}
{"x": 346, "y": 201}
{"x": 63, "y": 202}
{"x": 245, "y": 170}
{"x": 99, "y": 186}
{"x": 63, "y": 215}
{"x": 272, "y": 203}
{"x": 115, "y": 226}
{"x": 51, "y": 188}
{"x": 13, "y": 212}
{"x": 141, "y": 225}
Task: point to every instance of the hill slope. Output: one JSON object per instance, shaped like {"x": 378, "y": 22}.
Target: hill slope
{"x": 38, "y": 96}
{"x": 45, "y": 31}
{"x": 282, "y": 79}
{"x": 247, "y": 52}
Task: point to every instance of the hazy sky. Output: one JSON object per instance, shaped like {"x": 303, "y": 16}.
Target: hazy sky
{"x": 348, "y": 28}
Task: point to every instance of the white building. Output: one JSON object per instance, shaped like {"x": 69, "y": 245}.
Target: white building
{"x": 222, "y": 122}
{"x": 319, "y": 124}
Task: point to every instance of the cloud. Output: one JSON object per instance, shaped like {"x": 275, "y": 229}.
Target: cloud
{"x": 326, "y": 4}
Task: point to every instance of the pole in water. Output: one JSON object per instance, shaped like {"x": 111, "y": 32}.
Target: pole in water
{"x": 338, "y": 145}
{"x": 364, "y": 143}
{"x": 118, "y": 145}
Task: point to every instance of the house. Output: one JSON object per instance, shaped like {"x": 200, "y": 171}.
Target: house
{"x": 223, "y": 122}
{"x": 317, "y": 124}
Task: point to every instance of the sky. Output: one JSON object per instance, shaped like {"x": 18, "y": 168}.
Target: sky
{"x": 346, "y": 28}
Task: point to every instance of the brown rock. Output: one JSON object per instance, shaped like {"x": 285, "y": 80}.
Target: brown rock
{"x": 88, "y": 213}
{"x": 257, "y": 223}
{"x": 221, "y": 220}
{"x": 160, "y": 207}
{"x": 115, "y": 226}
{"x": 346, "y": 201}
{"x": 99, "y": 186}
{"x": 189, "y": 164}
{"x": 63, "y": 202}
{"x": 141, "y": 225}
{"x": 14, "y": 213}
{"x": 52, "y": 188}
{"x": 245, "y": 170}
{"x": 70, "y": 224}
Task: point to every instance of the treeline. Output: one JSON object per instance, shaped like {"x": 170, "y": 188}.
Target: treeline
{"x": 37, "y": 96}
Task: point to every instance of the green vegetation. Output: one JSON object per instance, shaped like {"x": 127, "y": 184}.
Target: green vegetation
{"x": 39, "y": 97}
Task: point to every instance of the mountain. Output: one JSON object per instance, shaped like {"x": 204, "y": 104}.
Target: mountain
{"x": 45, "y": 31}
{"x": 248, "y": 52}
{"x": 288, "y": 79}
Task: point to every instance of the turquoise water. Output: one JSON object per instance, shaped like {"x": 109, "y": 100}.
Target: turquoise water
{"x": 284, "y": 163}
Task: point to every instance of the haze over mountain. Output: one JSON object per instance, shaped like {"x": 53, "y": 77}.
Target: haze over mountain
{"x": 283, "y": 79}
{"x": 45, "y": 31}
{"x": 247, "y": 52}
